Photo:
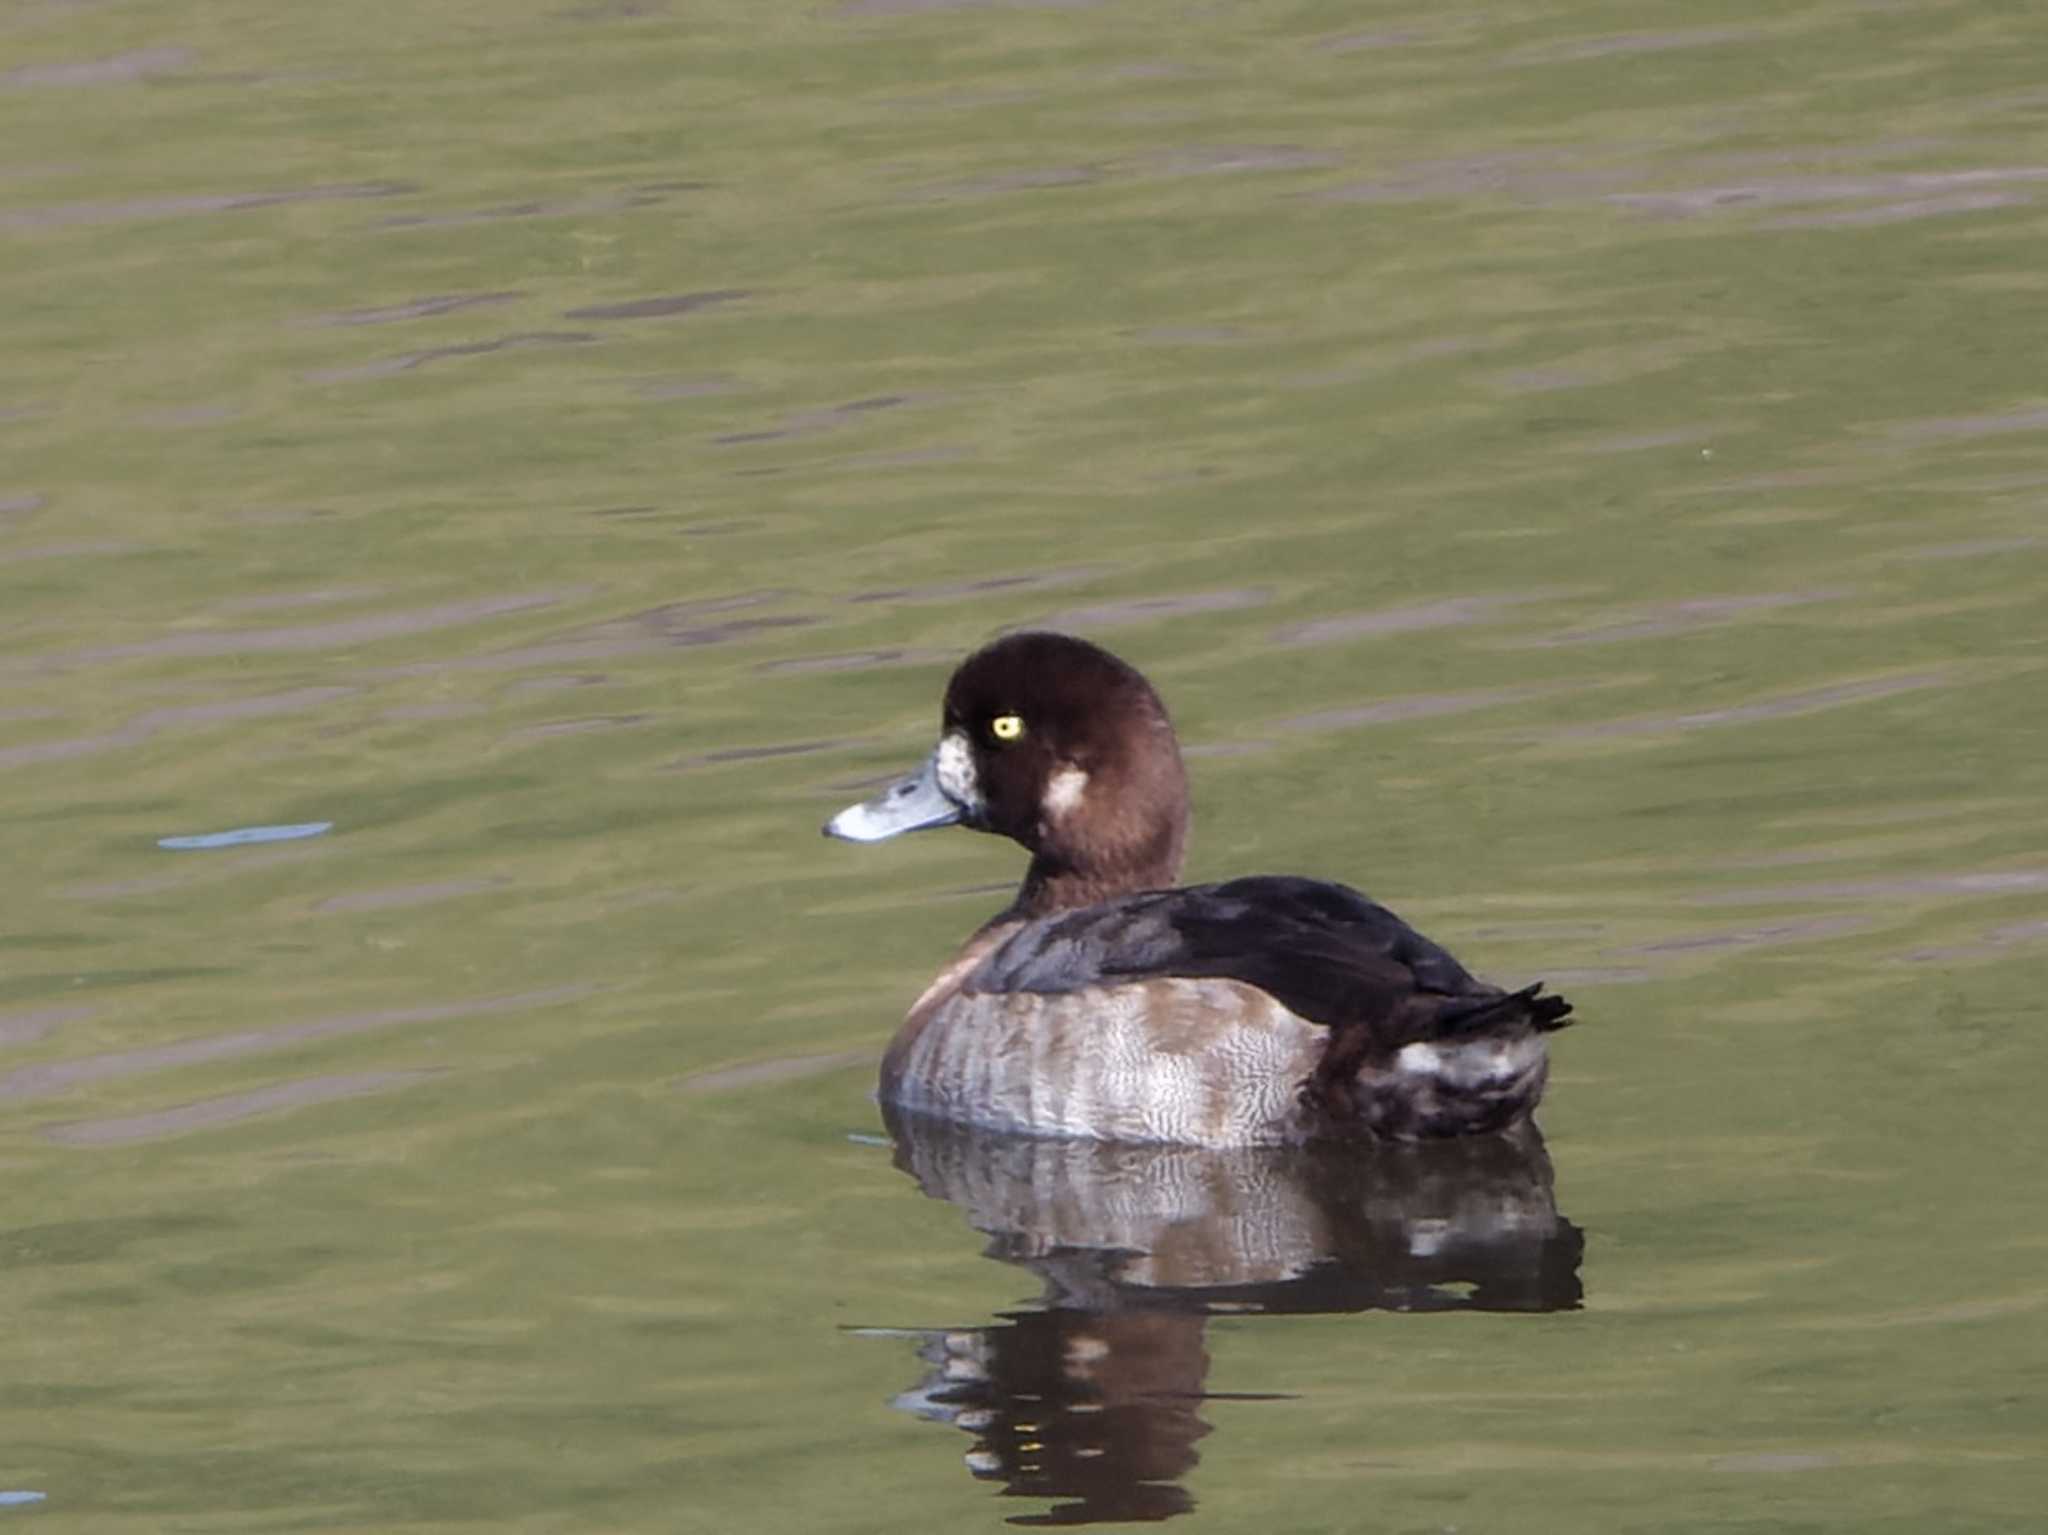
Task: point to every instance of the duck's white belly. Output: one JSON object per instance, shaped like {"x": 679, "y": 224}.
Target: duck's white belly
{"x": 1196, "y": 1062}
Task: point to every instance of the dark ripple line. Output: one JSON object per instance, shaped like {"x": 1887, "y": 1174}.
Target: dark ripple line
{"x": 143, "y": 726}
{"x": 52, "y": 1077}
{"x": 205, "y": 1113}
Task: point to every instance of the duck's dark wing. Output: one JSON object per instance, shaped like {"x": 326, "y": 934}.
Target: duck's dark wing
{"x": 1327, "y": 953}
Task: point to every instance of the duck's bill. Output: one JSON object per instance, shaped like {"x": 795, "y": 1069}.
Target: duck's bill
{"x": 916, "y": 803}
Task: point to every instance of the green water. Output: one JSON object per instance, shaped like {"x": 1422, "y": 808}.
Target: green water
{"x": 1579, "y": 472}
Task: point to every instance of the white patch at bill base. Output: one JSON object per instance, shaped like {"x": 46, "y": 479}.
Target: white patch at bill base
{"x": 955, "y": 769}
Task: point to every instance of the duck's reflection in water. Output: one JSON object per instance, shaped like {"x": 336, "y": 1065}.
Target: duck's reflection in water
{"x": 1093, "y": 1399}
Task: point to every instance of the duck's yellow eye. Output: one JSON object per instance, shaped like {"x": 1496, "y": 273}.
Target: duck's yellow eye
{"x": 1006, "y": 727}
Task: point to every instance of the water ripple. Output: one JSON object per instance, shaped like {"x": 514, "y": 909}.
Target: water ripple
{"x": 1806, "y": 701}
{"x": 405, "y": 362}
{"x": 1785, "y": 190}
{"x": 24, "y": 1026}
{"x": 148, "y": 724}
{"x": 657, "y": 308}
{"x": 401, "y": 897}
{"x": 209, "y": 1113}
{"x": 1444, "y": 613}
{"x": 116, "y": 69}
{"x": 68, "y": 215}
{"x": 1415, "y": 706}
{"x": 1145, "y": 610}
{"x": 1985, "y": 883}
{"x": 50, "y": 1078}
{"x": 419, "y": 308}
{"x": 1684, "y": 615}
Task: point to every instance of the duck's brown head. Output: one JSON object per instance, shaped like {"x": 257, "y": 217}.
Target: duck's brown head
{"x": 1057, "y": 744}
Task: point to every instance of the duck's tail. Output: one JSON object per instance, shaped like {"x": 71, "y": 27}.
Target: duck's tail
{"x": 1542, "y": 1013}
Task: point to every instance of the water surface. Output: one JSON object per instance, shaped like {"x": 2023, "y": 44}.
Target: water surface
{"x": 1580, "y": 474}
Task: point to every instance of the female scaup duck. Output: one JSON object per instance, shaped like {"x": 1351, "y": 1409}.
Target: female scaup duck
{"x": 1103, "y": 1002}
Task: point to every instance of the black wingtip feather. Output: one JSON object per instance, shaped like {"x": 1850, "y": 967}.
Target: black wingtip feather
{"x": 1548, "y": 1013}
{"x": 1544, "y": 1013}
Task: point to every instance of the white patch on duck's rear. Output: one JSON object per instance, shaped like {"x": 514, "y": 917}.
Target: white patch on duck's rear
{"x": 954, "y": 769}
{"x": 1063, "y": 792}
{"x": 1470, "y": 1066}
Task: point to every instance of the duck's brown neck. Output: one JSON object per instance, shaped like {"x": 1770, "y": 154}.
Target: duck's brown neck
{"x": 1054, "y": 884}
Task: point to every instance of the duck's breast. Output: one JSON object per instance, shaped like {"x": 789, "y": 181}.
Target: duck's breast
{"x": 1197, "y": 1062}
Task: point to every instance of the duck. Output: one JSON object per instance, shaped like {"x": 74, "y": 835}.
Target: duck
{"x": 1109, "y": 1002}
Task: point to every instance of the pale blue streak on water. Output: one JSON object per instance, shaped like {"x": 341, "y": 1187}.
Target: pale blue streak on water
{"x": 241, "y": 836}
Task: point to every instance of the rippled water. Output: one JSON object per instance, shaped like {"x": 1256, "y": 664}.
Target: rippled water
{"x": 1580, "y": 474}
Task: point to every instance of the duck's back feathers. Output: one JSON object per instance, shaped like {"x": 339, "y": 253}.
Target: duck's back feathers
{"x": 1324, "y": 951}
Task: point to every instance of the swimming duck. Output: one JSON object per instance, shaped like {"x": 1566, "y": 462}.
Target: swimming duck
{"x": 1106, "y": 1002}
